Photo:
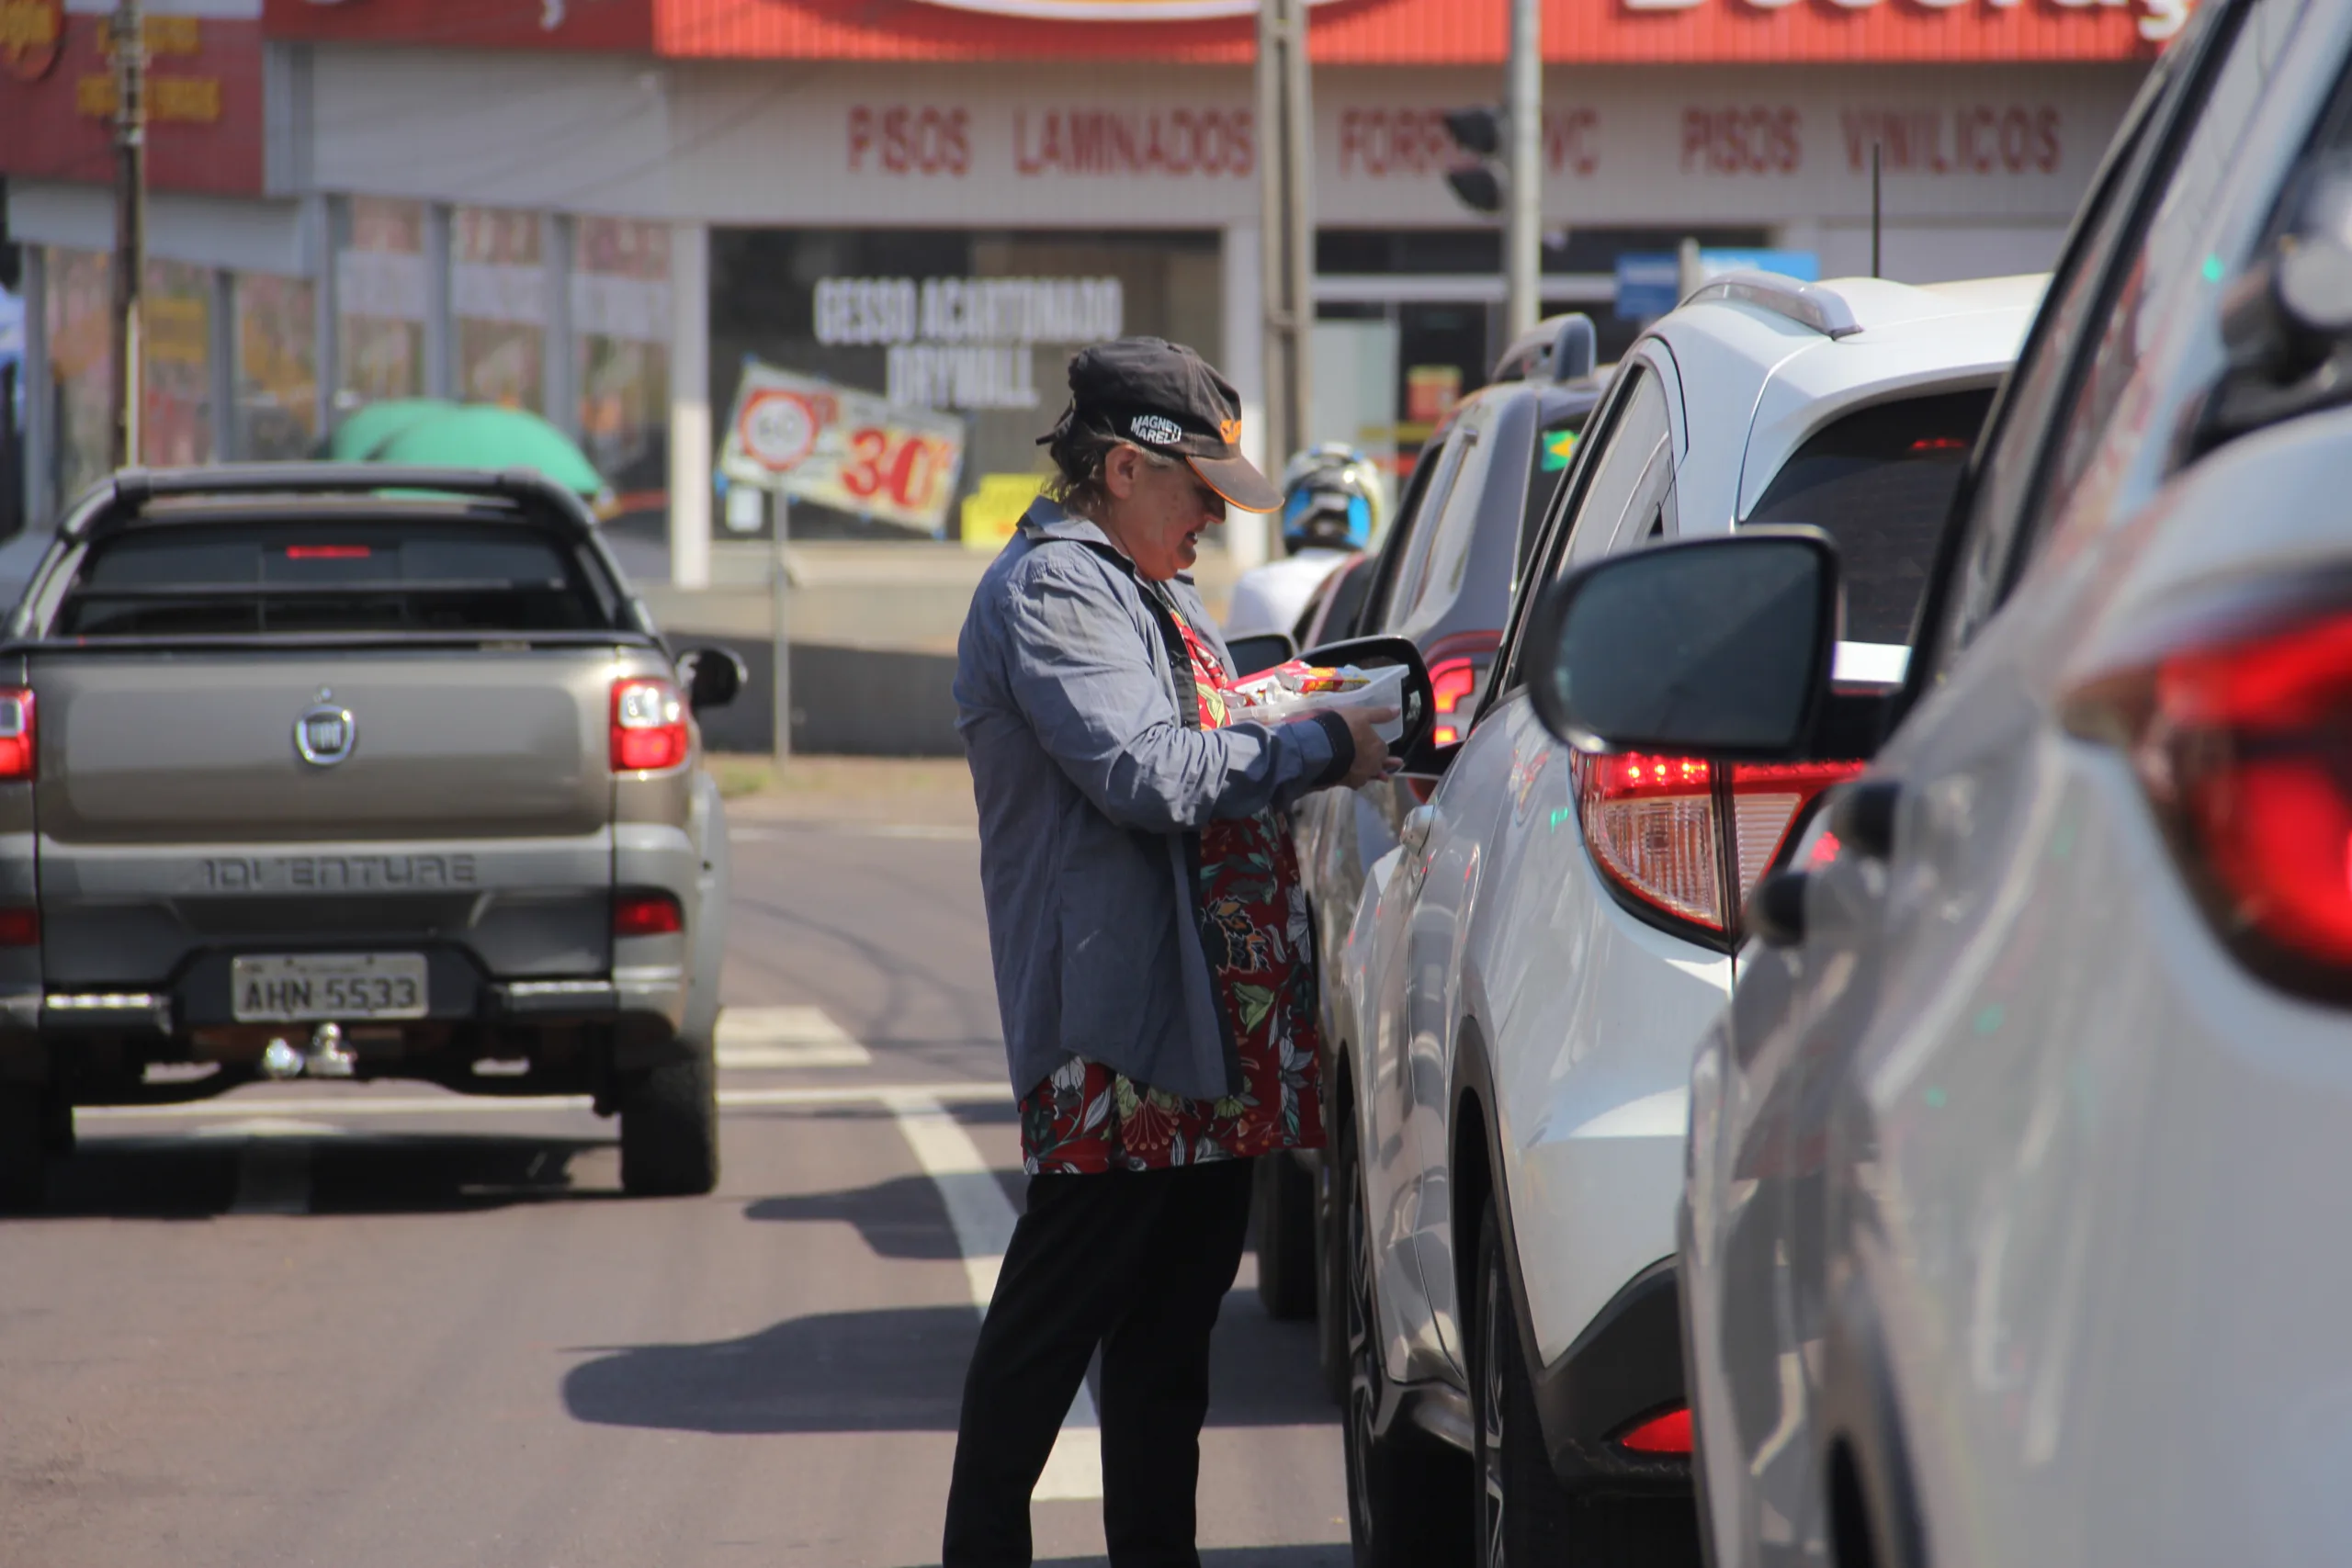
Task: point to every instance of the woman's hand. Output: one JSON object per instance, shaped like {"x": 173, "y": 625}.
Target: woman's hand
{"x": 1371, "y": 757}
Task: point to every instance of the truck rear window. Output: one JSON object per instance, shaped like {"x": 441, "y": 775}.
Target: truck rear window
{"x": 196, "y": 579}
{"x": 1880, "y": 482}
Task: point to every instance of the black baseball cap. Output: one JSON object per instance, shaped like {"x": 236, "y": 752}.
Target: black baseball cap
{"x": 1165, "y": 397}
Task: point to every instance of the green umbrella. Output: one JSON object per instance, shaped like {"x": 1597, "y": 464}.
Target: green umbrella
{"x": 357, "y": 438}
{"x": 486, "y": 435}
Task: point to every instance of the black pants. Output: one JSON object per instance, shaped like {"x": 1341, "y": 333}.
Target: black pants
{"x": 1137, "y": 1262}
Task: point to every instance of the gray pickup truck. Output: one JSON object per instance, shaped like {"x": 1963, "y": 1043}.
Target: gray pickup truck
{"x": 324, "y": 770}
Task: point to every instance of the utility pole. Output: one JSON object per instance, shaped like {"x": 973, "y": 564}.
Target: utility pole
{"x": 1286, "y": 222}
{"x": 780, "y": 622}
{"x": 130, "y": 35}
{"x": 1524, "y": 120}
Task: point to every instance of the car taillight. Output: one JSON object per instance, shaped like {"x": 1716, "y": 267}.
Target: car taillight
{"x": 20, "y": 927}
{"x": 2243, "y": 740}
{"x": 1450, "y": 685}
{"x": 647, "y": 914}
{"x": 1650, "y": 822}
{"x": 1666, "y": 1433}
{"x": 1455, "y": 663}
{"x": 648, "y": 724}
{"x": 17, "y": 732}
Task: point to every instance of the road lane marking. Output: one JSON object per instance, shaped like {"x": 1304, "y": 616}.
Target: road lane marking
{"x": 273, "y": 1173}
{"x": 991, "y": 1093}
{"x": 983, "y": 1219}
{"x": 771, "y": 1037}
{"x": 270, "y": 1127}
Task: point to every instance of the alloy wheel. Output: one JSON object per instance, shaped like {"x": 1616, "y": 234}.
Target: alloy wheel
{"x": 1493, "y": 1496}
{"x": 1363, "y": 1351}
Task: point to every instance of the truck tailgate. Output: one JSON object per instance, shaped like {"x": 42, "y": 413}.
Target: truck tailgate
{"x": 446, "y": 744}
{"x": 177, "y": 818}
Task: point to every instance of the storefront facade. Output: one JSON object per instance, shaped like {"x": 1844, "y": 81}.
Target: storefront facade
{"x": 603, "y": 212}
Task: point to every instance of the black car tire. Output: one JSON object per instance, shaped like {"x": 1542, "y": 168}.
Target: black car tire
{"x": 1522, "y": 1510}
{"x": 670, "y": 1130}
{"x": 57, "y": 1122}
{"x": 1405, "y": 1489}
{"x": 1284, "y": 1201}
{"x": 1524, "y": 1516}
{"x": 24, "y": 1146}
{"x": 1331, "y": 1275}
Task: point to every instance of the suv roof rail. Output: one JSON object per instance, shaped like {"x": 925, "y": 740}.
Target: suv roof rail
{"x": 1807, "y": 304}
{"x": 132, "y": 488}
{"x": 1557, "y": 349}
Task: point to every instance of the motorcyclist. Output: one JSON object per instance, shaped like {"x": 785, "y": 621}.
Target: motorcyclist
{"x": 1332, "y": 507}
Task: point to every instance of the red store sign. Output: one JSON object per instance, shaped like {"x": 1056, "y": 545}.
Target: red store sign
{"x": 1714, "y": 139}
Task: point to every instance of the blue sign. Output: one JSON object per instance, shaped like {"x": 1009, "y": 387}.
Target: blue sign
{"x": 1649, "y": 283}
{"x": 1804, "y": 266}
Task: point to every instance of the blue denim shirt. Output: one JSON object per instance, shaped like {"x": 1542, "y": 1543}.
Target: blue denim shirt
{"x": 1093, "y": 776}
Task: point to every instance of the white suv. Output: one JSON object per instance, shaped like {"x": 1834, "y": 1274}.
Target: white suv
{"x": 1530, "y": 969}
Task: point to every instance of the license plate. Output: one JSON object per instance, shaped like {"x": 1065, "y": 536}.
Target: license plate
{"x": 284, "y": 988}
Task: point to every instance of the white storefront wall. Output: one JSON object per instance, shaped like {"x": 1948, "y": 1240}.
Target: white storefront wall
{"x": 1981, "y": 166}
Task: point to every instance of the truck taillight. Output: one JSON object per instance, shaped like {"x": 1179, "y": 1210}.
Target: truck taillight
{"x": 648, "y": 724}
{"x": 647, "y": 913}
{"x": 1650, "y": 822}
{"x": 17, "y": 732}
{"x": 2242, "y": 739}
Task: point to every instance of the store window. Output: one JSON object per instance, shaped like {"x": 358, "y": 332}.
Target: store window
{"x": 77, "y": 291}
{"x": 277, "y": 407}
{"x": 620, "y": 319}
{"x": 379, "y": 303}
{"x": 966, "y": 333}
{"x": 498, "y": 299}
{"x": 175, "y": 390}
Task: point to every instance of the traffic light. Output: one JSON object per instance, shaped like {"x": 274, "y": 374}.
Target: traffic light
{"x": 1479, "y": 134}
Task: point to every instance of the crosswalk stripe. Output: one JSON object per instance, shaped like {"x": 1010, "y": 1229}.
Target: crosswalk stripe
{"x": 983, "y": 1219}
{"x": 784, "y": 1037}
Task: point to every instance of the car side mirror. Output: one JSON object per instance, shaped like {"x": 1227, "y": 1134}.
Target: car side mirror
{"x": 2287, "y": 321}
{"x": 1719, "y": 647}
{"x": 1256, "y": 655}
{"x": 713, "y": 677}
{"x": 1418, "y": 709}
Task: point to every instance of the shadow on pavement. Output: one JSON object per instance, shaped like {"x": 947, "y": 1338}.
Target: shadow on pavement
{"x": 427, "y": 1173}
{"x": 901, "y": 1369}
{"x": 194, "y": 1176}
{"x": 897, "y": 1369}
{"x": 900, "y": 1218}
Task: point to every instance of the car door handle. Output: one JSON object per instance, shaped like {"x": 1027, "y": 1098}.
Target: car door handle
{"x": 1775, "y": 912}
{"x": 1415, "y": 831}
{"x": 1863, "y": 816}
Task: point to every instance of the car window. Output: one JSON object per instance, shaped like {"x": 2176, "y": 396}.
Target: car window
{"x": 1394, "y": 542}
{"x": 1626, "y": 496}
{"x": 1880, "y": 483}
{"x": 1454, "y": 531}
{"x": 1632, "y": 425}
{"x": 292, "y": 578}
{"x": 2165, "y": 162}
{"x": 1556, "y": 446}
{"x": 1334, "y": 614}
{"x": 1401, "y": 575}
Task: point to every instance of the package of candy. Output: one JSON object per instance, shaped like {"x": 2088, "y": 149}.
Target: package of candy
{"x": 1289, "y": 690}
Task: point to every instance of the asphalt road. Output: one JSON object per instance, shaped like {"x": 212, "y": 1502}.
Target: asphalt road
{"x": 385, "y": 1327}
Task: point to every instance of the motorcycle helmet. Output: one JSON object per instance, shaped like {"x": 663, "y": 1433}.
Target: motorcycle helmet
{"x": 1331, "y": 500}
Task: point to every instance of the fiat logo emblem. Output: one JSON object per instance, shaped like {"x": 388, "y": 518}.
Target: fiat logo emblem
{"x": 325, "y": 734}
